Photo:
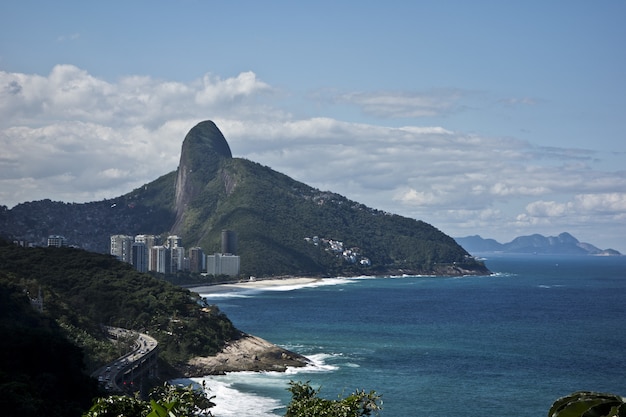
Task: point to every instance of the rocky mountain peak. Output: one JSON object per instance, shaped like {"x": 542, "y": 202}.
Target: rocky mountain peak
{"x": 203, "y": 150}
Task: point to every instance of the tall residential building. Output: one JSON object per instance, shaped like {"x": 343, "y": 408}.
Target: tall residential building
{"x": 196, "y": 260}
{"x": 160, "y": 259}
{"x": 57, "y": 241}
{"x": 229, "y": 242}
{"x": 149, "y": 241}
{"x": 139, "y": 256}
{"x": 121, "y": 247}
{"x": 222, "y": 264}
{"x": 177, "y": 262}
{"x": 174, "y": 242}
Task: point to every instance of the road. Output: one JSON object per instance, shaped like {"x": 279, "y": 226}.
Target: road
{"x": 111, "y": 375}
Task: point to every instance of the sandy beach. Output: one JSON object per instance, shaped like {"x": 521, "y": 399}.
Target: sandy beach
{"x": 256, "y": 284}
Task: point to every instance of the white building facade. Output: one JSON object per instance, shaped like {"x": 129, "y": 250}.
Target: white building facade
{"x": 222, "y": 264}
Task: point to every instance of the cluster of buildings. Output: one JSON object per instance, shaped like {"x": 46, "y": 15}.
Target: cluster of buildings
{"x": 168, "y": 256}
{"x": 336, "y": 247}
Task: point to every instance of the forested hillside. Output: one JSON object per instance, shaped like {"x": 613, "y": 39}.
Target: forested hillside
{"x": 41, "y": 372}
{"x": 83, "y": 290}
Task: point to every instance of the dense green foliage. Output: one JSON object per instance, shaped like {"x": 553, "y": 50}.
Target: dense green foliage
{"x": 273, "y": 214}
{"x": 306, "y": 402}
{"x": 589, "y": 404}
{"x": 41, "y": 372}
{"x": 148, "y": 209}
{"x": 176, "y": 401}
{"x": 84, "y": 290}
{"x": 166, "y": 401}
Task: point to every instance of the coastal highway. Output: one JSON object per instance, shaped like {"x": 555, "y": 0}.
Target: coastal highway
{"x": 120, "y": 375}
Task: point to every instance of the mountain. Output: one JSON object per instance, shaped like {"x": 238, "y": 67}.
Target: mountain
{"x": 564, "y": 243}
{"x": 283, "y": 227}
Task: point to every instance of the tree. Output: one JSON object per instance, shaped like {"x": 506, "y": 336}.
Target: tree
{"x": 166, "y": 401}
{"x": 305, "y": 402}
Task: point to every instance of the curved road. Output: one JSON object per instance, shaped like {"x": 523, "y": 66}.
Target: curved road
{"x": 113, "y": 374}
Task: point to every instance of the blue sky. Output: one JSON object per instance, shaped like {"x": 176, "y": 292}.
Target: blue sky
{"x": 487, "y": 117}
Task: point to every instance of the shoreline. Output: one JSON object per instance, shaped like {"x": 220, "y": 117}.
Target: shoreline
{"x": 256, "y": 284}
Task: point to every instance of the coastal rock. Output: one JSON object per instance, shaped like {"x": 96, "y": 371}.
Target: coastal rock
{"x": 247, "y": 353}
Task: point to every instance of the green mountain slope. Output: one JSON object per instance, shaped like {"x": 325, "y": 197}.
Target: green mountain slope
{"x": 274, "y": 216}
{"x": 84, "y": 290}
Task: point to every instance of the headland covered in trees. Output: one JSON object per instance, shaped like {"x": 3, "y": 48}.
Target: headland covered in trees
{"x": 276, "y": 218}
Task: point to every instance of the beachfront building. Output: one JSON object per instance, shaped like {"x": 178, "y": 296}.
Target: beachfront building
{"x": 149, "y": 241}
{"x": 177, "y": 262}
{"x": 229, "y": 242}
{"x": 160, "y": 259}
{"x": 222, "y": 264}
{"x": 197, "y": 260}
{"x": 121, "y": 247}
{"x": 174, "y": 242}
{"x": 139, "y": 256}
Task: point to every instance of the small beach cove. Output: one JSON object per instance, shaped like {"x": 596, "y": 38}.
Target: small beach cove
{"x": 247, "y": 352}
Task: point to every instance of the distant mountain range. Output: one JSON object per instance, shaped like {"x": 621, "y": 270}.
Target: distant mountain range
{"x": 283, "y": 227}
{"x": 564, "y": 244}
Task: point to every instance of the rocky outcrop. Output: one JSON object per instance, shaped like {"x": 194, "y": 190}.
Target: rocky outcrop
{"x": 247, "y": 353}
{"x": 203, "y": 150}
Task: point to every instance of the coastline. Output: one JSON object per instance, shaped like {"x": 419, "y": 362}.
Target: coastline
{"x": 257, "y": 284}
{"x": 247, "y": 352}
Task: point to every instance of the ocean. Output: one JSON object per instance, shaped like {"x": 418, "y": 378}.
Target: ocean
{"x": 511, "y": 343}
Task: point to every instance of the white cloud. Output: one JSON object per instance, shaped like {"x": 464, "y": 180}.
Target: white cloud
{"x": 403, "y": 104}
{"x": 612, "y": 204}
{"x": 74, "y": 137}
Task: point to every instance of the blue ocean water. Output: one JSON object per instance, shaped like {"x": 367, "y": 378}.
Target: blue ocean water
{"x": 511, "y": 343}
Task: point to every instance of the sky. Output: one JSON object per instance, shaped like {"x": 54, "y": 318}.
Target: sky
{"x": 496, "y": 118}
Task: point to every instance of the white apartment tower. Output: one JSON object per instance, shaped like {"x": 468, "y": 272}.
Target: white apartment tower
{"x": 121, "y": 247}
{"x": 160, "y": 259}
{"x": 222, "y": 264}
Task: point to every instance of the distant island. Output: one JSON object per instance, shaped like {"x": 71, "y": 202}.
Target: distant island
{"x": 563, "y": 244}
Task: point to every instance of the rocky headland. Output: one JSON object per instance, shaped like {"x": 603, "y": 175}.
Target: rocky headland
{"x": 246, "y": 353}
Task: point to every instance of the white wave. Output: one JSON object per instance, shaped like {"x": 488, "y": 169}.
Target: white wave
{"x": 352, "y": 365}
{"x": 315, "y": 284}
{"x": 317, "y": 364}
{"x": 235, "y": 291}
{"x": 231, "y": 402}
{"x": 239, "y": 393}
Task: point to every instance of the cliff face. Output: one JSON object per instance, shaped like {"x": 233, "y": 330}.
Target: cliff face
{"x": 203, "y": 151}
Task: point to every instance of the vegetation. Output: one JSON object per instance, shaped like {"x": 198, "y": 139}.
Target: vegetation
{"x": 84, "y": 291}
{"x": 305, "y": 402}
{"x": 271, "y": 213}
{"x": 589, "y": 404}
{"x": 166, "y": 401}
{"x": 41, "y": 372}
{"x": 174, "y": 401}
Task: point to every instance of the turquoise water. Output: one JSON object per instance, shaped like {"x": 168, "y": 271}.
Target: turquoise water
{"x": 511, "y": 343}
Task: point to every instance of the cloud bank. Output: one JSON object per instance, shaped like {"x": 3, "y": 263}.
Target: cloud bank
{"x": 73, "y": 137}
